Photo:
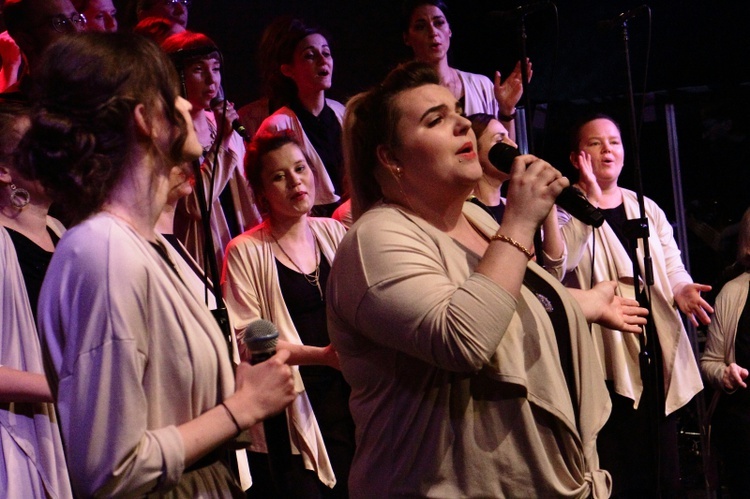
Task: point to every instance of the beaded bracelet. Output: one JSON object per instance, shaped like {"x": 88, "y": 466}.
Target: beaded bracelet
{"x": 520, "y": 247}
{"x": 234, "y": 420}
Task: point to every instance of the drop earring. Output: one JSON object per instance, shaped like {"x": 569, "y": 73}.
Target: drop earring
{"x": 19, "y": 197}
{"x": 399, "y": 172}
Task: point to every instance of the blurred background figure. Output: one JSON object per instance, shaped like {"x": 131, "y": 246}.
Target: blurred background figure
{"x": 229, "y": 197}
{"x": 101, "y": 15}
{"x": 427, "y": 32}
{"x": 32, "y": 462}
{"x": 725, "y": 364}
{"x": 489, "y": 131}
{"x": 157, "y": 28}
{"x": 34, "y": 25}
{"x": 301, "y": 75}
{"x": 174, "y": 10}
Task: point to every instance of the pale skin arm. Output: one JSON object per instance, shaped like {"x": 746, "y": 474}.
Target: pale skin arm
{"x": 602, "y": 306}
{"x": 689, "y": 300}
{"x": 533, "y": 187}
{"x": 261, "y": 391}
{"x": 22, "y": 386}
{"x": 306, "y": 355}
{"x": 554, "y": 244}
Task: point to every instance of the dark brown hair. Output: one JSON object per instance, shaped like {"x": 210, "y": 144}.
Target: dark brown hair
{"x": 82, "y": 131}
{"x": 479, "y": 123}
{"x": 409, "y": 6}
{"x": 279, "y": 41}
{"x": 370, "y": 121}
{"x": 262, "y": 144}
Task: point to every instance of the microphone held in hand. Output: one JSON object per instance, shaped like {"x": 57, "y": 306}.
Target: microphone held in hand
{"x": 218, "y": 102}
{"x": 572, "y": 200}
{"x": 260, "y": 339}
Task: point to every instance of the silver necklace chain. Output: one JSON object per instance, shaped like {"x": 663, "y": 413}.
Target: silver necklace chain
{"x": 313, "y": 278}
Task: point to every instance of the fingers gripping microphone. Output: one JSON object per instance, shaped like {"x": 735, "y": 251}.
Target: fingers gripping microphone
{"x": 238, "y": 127}
{"x": 572, "y": 200}
{"x": 260, "y": 339}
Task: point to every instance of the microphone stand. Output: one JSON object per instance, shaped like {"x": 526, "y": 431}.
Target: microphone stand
{"x": 525, "y": 84}
{"x": 221, "y": 315}
{"x": 528, "y": 119}
{"x": 650, "y": 358}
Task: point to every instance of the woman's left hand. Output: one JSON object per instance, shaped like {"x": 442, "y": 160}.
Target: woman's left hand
{"x": 509, "y": 92}
{"x": 601, "y": 305}
{"x": 689, "y": 300}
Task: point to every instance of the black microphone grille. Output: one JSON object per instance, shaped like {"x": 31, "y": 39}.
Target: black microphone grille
{"x": 501, "y": 155}
{"x": 216, "y": 101}
{"x": 260, "y": 336}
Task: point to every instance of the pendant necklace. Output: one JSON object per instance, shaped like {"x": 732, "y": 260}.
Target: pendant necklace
{"x": 313, "y": 278}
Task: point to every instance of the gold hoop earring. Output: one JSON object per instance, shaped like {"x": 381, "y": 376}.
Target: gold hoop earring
{"x": 19, "y": 197}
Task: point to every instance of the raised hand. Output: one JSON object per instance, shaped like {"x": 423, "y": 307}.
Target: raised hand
{"x": 586, "y": 179}
{"x": 509, "y": 92}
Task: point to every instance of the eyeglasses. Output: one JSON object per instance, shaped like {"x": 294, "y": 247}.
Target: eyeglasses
{"x": 185, "y": 3}
{"x": 62, "y": 24}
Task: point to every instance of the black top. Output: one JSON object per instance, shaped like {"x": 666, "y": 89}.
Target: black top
{"x": 305, "y": 306}
{"x": 616, "y": 218}
{"x": 555, "y": 308}
{"x": 495, "y": 212}
{"x": 33, "y": 261}
{"x": 324, "y": 133}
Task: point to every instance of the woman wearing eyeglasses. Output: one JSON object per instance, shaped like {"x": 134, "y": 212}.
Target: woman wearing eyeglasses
{"x": 34, "y": 25}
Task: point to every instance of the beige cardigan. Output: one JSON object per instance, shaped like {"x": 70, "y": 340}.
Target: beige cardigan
{"x": 33, "y": 463}
{"x": 252, "y": 291}
{"x": 618, "y": 352}
{"x": 457, "y": 389}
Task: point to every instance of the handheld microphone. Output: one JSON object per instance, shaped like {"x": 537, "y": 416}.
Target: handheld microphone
{"x": 520, "y": 11}
{"x": 260, "y": 339}
{"x": 501, "y": 155}
{"x": 622, "y": 18}
{"x": 236, "y": 125}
